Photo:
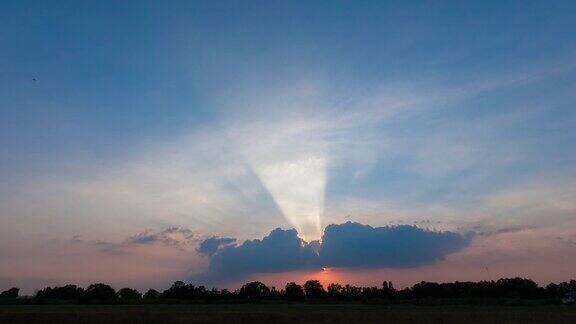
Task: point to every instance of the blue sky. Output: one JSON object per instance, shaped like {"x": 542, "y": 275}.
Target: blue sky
{"x": 237, "y": 117}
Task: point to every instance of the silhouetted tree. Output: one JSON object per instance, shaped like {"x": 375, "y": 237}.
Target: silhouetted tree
{"x": 254, "y": 290}
{"x": 226, "y": 294}
{"x": 100, "y": 292}
{"x": 517, "y": 287}
{"x": 274, "y": 293}
{"x": 180, "y": 290}
{"x": 388, "y": 290}
{"x": 387, "y": 285}
{"x": 176, "y": 291}
{"x": 314, "y": 289}
{"x": 10, "y": 293}
{"x": 152, "y": 294}
{"x": 552, "y": 290}
{"x": 294, "y": 292}
{"x": 128, "y": 294}
{"x": 68, "y": 292}
{"x": 334, "y": 290}
{"x": 426, "y": 289}
{"x": 351, "y": 292}
{"x": 563, "y": 288}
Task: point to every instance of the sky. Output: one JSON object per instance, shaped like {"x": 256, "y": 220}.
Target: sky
{"x": 143, "y": 142}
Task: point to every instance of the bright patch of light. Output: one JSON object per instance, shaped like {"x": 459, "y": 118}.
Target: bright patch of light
{"x": 297, "y": 187}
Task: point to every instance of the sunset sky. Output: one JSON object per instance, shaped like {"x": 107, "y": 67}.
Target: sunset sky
{"x": 143, "y": 142}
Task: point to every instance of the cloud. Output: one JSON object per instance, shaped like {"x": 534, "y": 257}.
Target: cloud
{"x": 211, "y": 245}
{"x": 349, "y": 245}
{"x": 364, "y": 246}
{"x": 281, "y": 250}
{"x": 174, "y": 236}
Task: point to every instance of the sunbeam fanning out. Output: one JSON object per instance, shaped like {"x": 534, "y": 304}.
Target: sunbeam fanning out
{"x": 297, "y": 187}
{"x": 290, "y": 159}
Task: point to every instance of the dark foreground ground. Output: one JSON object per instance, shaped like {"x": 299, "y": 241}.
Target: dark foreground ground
{"x": 284, "y": 313}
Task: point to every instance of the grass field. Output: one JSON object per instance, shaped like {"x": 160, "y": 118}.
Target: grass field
{"x": 284, "y": 313}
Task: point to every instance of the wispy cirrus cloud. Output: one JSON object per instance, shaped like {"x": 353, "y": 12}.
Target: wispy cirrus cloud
{"x": 173, "y": 237}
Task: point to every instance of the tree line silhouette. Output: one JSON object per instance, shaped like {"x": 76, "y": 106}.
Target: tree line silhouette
{"x": 311, "y": 291}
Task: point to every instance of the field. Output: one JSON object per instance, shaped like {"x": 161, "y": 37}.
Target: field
{"x": 284, "y": 313}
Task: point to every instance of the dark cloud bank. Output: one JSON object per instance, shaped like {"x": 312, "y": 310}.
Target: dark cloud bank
{"x": 212, "y": 245}
{"x": 349, "y": 245}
